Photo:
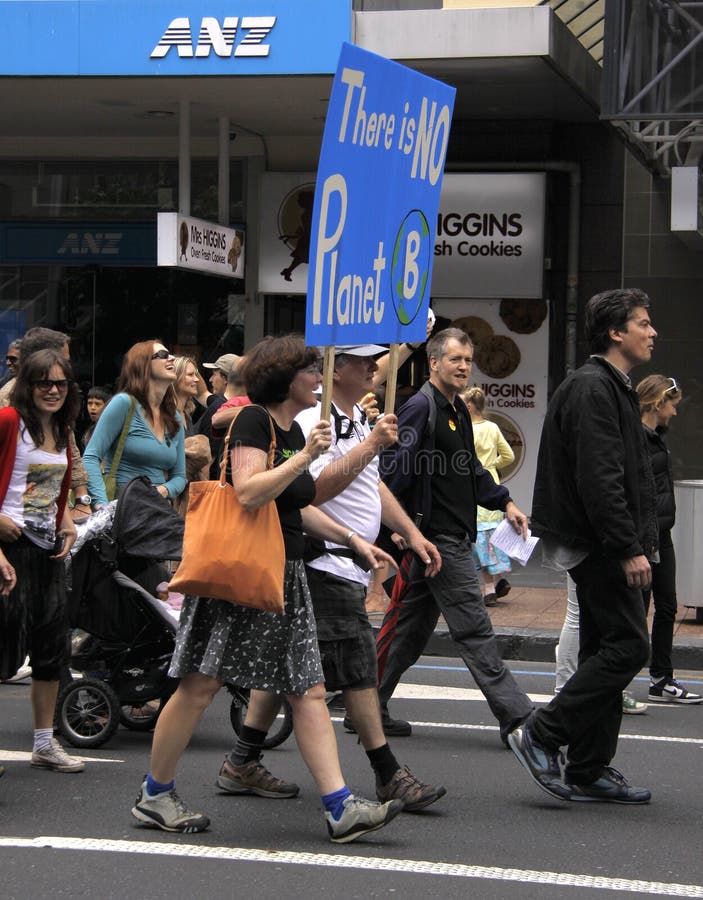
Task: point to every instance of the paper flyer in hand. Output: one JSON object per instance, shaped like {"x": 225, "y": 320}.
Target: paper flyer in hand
{"x": 509, "y": 541}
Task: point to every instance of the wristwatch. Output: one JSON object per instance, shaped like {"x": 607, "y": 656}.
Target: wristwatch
{"x": 84, "y": 500}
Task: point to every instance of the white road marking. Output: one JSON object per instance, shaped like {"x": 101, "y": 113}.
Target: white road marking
{"x": 379, "y": 864}
{"x": 26, "y": 756}
{"x": 408, "y": 691}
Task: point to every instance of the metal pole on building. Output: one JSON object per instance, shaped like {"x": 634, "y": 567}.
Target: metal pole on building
{"x": 184, "y": 158}
{"x": 223, "y": 171}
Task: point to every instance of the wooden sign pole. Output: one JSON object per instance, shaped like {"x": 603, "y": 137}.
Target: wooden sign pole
{"x": 392, "y": 380}
{"x": 327, "y": 381}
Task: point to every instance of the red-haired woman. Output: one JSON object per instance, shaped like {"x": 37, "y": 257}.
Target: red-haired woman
{"x": 35, "y": 475}
{"x": 154, "y": 443}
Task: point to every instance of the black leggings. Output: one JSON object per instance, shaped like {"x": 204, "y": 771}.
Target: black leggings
{"x": 664, "y": 591}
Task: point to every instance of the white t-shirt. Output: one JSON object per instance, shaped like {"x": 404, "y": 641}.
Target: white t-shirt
{"x": 34, "y": 488}
{"x": 358, "y": 506}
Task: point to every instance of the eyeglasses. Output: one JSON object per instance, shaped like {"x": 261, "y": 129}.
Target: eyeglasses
{"x": 12, "y": 359}
{"x": 311, "y": 370}
{"x": 46, "y": 384}
{"x": 674, "y": 389}
{"x": 162, "y": 354}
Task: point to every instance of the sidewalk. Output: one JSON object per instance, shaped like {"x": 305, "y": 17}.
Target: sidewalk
{"x": 528, "y": 621}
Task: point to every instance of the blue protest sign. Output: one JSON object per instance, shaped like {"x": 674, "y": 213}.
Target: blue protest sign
{"x": 376, "y": 202}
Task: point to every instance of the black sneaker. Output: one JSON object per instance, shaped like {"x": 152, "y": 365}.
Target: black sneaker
{"x": 541, "y": 765}
{"x": 611, "y": 787}
{"x": 668, "y": 690}
{"x": 391, "y": 727}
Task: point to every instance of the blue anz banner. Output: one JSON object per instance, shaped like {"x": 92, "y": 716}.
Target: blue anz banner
{"x": 163, "y": 37}
{"x": 376, "y": 202}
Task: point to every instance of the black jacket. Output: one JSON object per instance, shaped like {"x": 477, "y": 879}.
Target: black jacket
{"x": 663, "y": 477}
{"x": 594, "y": 488}
{"x": 407, "y": 466}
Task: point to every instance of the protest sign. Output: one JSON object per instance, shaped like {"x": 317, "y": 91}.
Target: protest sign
{"x": 376, "y": 200}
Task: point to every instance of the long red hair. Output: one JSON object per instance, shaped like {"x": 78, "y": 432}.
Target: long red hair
{"x": 135, "y": 379}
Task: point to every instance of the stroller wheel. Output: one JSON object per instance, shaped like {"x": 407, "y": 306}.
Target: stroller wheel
{"x": 141, "y": 716}
{"x": 282, "y": 724}
{"x": 87, "y": 712}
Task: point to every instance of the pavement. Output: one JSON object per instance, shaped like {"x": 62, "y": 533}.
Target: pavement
{"x": 528, "y": 620}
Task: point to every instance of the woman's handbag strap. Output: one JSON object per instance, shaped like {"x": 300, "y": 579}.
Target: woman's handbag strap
{"x": 122, "y": 440}
{"x": 225, "y": 449}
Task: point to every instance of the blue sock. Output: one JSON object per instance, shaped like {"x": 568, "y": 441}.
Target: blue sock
{"x": 334, "y": 802}
{"x": 154, "y": 787}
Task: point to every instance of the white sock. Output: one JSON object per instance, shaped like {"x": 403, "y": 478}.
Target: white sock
{"x": 42, "y": 738}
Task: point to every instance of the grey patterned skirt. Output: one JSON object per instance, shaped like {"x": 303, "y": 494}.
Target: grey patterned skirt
{"x": 251, "y": 648}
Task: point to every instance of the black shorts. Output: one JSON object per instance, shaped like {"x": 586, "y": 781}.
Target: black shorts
{"x": 33, "y": 618}
{"x": 345, "y": 636}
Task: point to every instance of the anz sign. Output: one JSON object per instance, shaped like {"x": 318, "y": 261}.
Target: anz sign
{"x": 172, "y": 37}
{"x": 253, "y": 31}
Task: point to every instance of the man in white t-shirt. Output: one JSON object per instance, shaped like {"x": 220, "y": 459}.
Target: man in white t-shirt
{"x": 349, "y": 491}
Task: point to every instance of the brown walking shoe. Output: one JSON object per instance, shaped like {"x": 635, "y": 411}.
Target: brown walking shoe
{"x": 254, "y": 778}
{"x": 406, "y": 787}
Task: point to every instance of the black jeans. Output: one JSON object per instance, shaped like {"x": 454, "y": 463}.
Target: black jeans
{"x": 664, "y": 590}
{"x": 614, "y": 645}
{"x": 455, "y": 592}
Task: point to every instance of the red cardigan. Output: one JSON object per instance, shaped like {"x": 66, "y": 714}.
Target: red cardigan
{"x": 9, "y": 429}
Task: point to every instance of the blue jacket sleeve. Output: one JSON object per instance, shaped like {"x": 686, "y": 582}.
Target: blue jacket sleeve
{"x": 177, "y": 476}
{"x": 101, "y": 444}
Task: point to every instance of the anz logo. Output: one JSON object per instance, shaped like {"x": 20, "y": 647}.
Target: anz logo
{"x": 91, "y": 243}
{"x": 253, "y": 30}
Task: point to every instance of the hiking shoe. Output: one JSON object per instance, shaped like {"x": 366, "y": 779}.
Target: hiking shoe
{"x": 54, "y": 757}
{"x": 632, "y": 707}
{"x": 360, "y": 816}
{"x": 168, "y": 812}
{"x": 490, "y": 599}
{"x": 502, "y": 588}
{"x": 668, "y": 690}
{"x": 611, "y": 787}
{"x": 541, "y": 765}
{"x": 391, "y": 727}
{"x": 406, "y": 787}
{"x": 253, "y": 778}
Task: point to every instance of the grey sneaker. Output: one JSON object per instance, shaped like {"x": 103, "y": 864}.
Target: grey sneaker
{"x": 254, "y": 778}
{"x": 54, "y": 757}
{"x": 406, "y": 787}
{"x": 168, "y": 812}
{"x": 361, "y": 816}
{"x": 541, "y": 764}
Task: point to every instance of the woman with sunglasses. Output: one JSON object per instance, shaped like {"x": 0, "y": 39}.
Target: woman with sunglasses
{"x": 154, "y": 438}
{"x": 35, "y": 476}
{"x": 659, "y": 396}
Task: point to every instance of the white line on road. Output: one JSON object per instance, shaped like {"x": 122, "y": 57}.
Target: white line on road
{"x": 26, "y": 756}
{"x": 463, "y": 726}
{"x": 380, "y": 864}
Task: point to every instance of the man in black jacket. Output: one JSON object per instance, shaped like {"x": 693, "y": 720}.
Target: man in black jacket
{"x": 594, "y": 508}
{"x": 434, "y": 471}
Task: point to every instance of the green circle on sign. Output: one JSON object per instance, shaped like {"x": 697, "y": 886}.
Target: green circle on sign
{"x": 410, "y": 267}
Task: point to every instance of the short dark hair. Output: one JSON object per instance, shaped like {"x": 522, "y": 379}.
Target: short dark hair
{"x": 43, "y": 339}
{"x": 99, "y": 393}
{"x": 271, "y": 365}
{"x": 608, "y": 311}
{"x": 437, "y": 344}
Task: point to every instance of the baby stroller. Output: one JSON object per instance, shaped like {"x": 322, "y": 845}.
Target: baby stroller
{"x": 122, "y": 651}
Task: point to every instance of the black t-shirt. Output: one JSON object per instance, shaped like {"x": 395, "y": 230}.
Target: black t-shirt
{"x": 453, "y": 500}
{"x": 252, "y": 429}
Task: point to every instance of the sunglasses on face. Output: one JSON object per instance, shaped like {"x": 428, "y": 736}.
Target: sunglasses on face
{"x": 162, "y": 354}
{"x": 12, "y": 359}
{"x": 46, "y": 384}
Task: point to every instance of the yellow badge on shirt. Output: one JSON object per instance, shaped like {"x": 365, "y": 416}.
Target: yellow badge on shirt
{"x": 452, "y": 424}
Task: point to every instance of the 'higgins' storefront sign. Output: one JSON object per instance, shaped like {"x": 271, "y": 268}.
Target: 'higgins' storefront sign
{"x": 160, "y": 37}
{"x": 188, "y": 243}
{"x": 489, "y": 239}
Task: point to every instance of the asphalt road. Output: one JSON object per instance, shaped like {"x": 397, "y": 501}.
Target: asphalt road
{"x": 494, "y": 835}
